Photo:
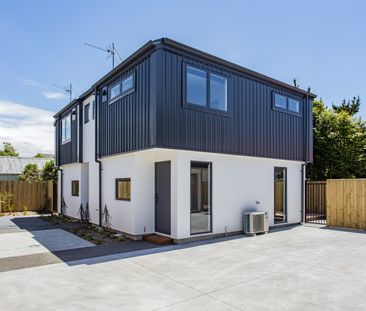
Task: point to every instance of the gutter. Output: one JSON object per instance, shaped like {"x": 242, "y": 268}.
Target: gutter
{"x": 97, "y": 156}
{"x": 61, "y": 187}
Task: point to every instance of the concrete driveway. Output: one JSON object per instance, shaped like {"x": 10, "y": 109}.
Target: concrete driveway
{"x": 302, "y": 268}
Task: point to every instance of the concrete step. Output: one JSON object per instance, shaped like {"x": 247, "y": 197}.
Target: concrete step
{"x": 158, "y": 239}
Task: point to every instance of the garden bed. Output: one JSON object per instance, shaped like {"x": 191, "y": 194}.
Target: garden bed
{"x": 90, "y": 232}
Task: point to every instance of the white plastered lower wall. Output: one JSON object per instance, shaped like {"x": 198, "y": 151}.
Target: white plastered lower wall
{"x": 238, "y": 184}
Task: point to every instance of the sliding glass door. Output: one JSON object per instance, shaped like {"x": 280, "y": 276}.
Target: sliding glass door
{"x": 201, "y": 209}
{"x": 280, "y": 191}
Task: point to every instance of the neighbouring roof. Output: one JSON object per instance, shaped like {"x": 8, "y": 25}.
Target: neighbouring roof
{"x": 182, "y": 47}
{"x": 15, "y": 165}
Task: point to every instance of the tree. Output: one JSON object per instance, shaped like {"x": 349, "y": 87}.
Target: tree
{"x": 30, "y": 173}
{"x": 339, "y": 143}
{"x": 49, "y": 171}
{"x": 8, "y": 150}
{"x": 351, "y": 106}
{"x": 39, "y": 155}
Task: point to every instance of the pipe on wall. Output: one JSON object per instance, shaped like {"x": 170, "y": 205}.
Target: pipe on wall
{"x": 97, "y": 157}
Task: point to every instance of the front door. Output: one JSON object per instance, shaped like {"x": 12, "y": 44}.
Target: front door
{"x": 162, "y": 197}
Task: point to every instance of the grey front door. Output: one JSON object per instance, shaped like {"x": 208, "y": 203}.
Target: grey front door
{"x": 162, "y": 197}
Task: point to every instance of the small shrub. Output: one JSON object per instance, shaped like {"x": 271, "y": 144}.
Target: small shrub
{"x": 25, "y": 209}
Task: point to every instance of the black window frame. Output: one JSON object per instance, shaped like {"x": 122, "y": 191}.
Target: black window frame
{"x": 210, "y": 166}
{"x": 116, "y": 188}
{"x": 86, "y": 113}
{"x": 207, "y": 108}
{"x": 75, "y": 193}
{"x": 126, "y": 92}
{"x": 93, "y": 109}
{"x": 66, "y": 116}
{"x": 285, "y": 220}
{"x": 287, "y": 110}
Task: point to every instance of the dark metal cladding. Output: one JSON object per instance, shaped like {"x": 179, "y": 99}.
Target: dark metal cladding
{"x": 124, "y": 125}
{"x": 252, "y": 127}
{"x": 155, "y": 113}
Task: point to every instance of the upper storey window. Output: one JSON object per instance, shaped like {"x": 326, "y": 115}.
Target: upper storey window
{"x": 206, "y": 89}
{"x": 122, "y": 88}
{"x": 66, "y": 128}
{"x": 286, "y": 103}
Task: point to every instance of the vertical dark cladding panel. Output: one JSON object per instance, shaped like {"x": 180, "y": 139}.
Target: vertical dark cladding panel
{"x": 252, "y": 128}
{"x": 125, "y": 123}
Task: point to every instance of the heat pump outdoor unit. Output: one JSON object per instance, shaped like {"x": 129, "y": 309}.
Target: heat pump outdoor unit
{"x": 255, "y": 222}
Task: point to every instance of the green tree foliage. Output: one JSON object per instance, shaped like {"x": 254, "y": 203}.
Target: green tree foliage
{"x": 49, "y": 171}
{"x": 31, "y": 173}
{"x": 339, "y": 142}
{"x": 8, "y": 150}
{"x": 39, "y": 155}
{"x": 350, "y": 106}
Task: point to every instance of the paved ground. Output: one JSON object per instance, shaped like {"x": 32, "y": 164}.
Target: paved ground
{"x": 30, "y": 242}
{"x": 303, "y": 268}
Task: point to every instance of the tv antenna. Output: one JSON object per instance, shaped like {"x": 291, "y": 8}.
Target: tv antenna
{"x": 111, "y": 50}
{"x": 67, "y": 89}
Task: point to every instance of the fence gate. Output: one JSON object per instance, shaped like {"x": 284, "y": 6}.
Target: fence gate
{"x": 315, "y": 202}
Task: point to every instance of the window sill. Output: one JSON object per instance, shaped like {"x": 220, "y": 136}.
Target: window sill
{"x": 223, "y": 113}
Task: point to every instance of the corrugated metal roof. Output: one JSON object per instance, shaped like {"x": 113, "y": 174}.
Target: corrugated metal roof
{"x": 15, "y": 165}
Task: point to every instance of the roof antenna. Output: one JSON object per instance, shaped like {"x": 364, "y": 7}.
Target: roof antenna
{"x": 295, "y": 83}
{"x": 111, "y": 50}
{"x": 67, "y": 89}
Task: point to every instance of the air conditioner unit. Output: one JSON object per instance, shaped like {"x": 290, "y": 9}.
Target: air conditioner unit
{"x": 255, "y": 222}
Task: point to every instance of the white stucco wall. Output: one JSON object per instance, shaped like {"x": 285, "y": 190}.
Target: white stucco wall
{"x": 75, "y": 171}
{"x": 238, "y": 183}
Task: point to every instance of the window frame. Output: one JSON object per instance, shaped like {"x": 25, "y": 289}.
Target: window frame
{"x": 66, "y": 140}
{"x": 87, "y": 115}
{"x": 117, "y": 180}
{"x": 210, "y": 167}
{"x": 93, "y": 109}
{"x": 207, "y": 108}
{"x": 286, "y": 110}
{"x": 72, "y": 188}
{"x": 125, "y": 93}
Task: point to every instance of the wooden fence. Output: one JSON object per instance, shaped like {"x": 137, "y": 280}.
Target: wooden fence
{"x": 346, "y": 203}
{"x": 34, "y": 196}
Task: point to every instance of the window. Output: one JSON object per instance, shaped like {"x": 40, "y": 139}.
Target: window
{"x": 93, "y": 108}
{"x": 75, "y": 188}
{"x": 280, "y": 192}
{"x": 218, "y": 90}
{"x": 198, "y": 82}
{"x": 293, "y": 105}
{"x": 201, "y": 198}
{"x": 86, "y": 113}
{"x": 123, "y": 189}
{"x": 115, "y": 91}
{"x": 196, "y": 86}
{"x": 66, "y": 128}
{"x": 280, "y": 101}
{"x": 122, "y": 88}
{"x": 127, "y": 84}
{"x": 286, "y": 103}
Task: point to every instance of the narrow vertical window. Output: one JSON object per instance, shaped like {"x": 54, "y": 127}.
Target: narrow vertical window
{"x": 93, "y": 109}
{"x": 196, "y": 86}
{"x": 75, "y": 188}
{"x": 86, "y": 113}
{"x": 280, "y": 185}
{"x": 66, "y": 128}
{"x": 218, "y": 92}
{"x": 201, "y": 197}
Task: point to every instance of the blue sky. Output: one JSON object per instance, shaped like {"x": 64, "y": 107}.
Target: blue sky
{"x": 321, "y": 43}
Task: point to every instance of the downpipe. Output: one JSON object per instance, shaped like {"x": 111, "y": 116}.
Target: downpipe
{"x": 303, "y": 185}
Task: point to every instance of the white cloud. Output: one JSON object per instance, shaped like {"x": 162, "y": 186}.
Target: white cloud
{"x": 29, "y": 129}
{"x": 30, "y": 82}
{"x": 53, "y": 95}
